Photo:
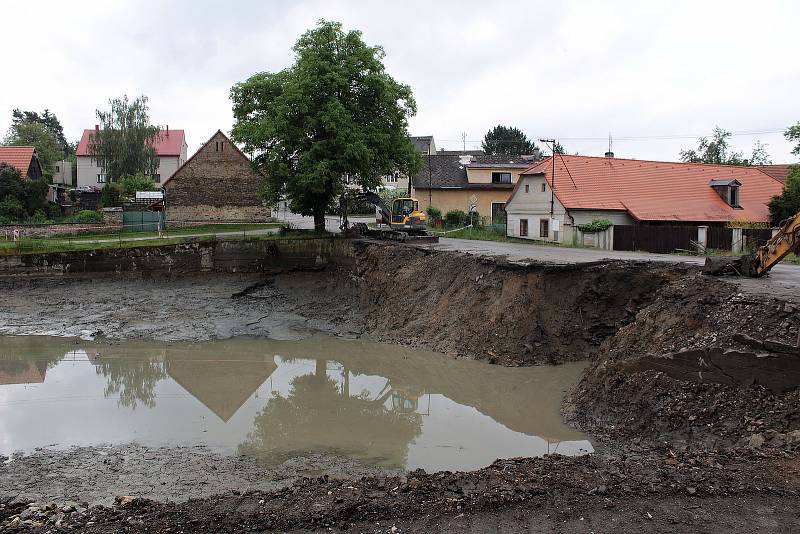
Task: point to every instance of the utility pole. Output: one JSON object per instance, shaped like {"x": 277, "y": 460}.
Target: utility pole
{"x": 430, "y": 181}
{"x": 553, "y": 185}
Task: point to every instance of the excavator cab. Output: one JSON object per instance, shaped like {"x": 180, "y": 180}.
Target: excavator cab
{"x": 406, "y": 215}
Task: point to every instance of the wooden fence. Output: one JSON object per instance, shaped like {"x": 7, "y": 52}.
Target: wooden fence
{"x": 719, "y": 238}
{"x": 660, "y": 239}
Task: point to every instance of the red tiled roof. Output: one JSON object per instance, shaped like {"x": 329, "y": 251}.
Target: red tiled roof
{"x": 165, "y": 145}
{"x": 657, "y": 190}
{"x": 779, "y": 171}
{"x": 18, "y": 156}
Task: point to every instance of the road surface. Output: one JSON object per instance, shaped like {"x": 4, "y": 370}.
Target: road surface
{"x": 783, "y": 281}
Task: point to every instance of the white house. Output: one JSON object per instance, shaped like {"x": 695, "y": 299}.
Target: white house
{"x": 170, "y": 145}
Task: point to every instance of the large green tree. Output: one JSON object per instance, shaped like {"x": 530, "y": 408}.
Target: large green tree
{"x": 125, "y": 144}
{"x": 50, "y": 122}
{"x": 20, "y": 199}
{"x": 787, "y": 204}
{"x": 334, "y": 113}
{"x": 506, "y": 141}
{"x": 716, "y": 149}
{"x": 27, "y": 133}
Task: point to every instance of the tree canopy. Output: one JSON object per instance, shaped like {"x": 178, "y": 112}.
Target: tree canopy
{"x": 506, "y": 141}
{"x": 125, "y": 144}
{"x": 716, "y": 149}
{"x": 792, "y": 133}
{"x": 787, "y": 204}
{"x": 335, "y": 112}
{"x": 27, "y": 133}
{"x": 50, "y": 123}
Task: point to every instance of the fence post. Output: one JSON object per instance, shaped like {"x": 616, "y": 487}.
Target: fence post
{"x": 610, "y": 240}
{"x": 736, "y": 240}
{"x": 702, "y": 239}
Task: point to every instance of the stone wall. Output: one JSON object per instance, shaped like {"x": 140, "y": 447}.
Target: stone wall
{"x": 218, "y": 183}
{"x": 184, "y": 214}
{"x": 259, "y": 255}
{"x": 49, "y": 230}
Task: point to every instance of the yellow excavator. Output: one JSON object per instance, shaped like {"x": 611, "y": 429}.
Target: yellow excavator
{"x": 403, "y": 216}
{"x": 757, "y": 264}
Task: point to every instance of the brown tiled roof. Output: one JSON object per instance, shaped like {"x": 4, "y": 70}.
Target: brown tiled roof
{"x": 18, "y": 156}
{"x": 657, "y": 190}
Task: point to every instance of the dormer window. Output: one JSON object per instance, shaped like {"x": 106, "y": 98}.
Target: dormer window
{"x": 728, "y": 190}
{"x": 501, "y": 177}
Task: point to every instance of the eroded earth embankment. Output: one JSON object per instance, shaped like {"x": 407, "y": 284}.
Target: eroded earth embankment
{"x": 691, "y": 391}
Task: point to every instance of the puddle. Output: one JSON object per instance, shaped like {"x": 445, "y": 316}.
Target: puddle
{"x": 382, "y": 404}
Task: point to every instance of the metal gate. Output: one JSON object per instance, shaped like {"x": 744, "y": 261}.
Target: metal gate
{"x": 142, "y": 220}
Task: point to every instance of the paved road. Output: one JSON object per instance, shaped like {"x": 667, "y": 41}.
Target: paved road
{"x": 783, "y": 281}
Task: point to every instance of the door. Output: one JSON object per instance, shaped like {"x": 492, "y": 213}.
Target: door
{"x": 544, "y": 228}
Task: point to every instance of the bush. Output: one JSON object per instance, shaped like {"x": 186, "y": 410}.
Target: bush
{"x": 111, "y": 195}
{"x": 38, "y": 217}
{"x": 476, "y": 219}
{"x": 136, "y": 182}
{"x": 53, "y": 210}
{"x": 597, "y": 225}
{"x": 11, "y": 210}
{"x": 433, "y": 214}
{"x": 86, "y": 216}
{"x": 455, "y": 218}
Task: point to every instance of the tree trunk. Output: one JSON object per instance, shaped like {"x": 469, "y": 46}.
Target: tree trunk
{"x": 319, "y": 220}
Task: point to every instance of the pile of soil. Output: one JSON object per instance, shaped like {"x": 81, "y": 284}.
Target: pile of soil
{"x": 692, "y": 312}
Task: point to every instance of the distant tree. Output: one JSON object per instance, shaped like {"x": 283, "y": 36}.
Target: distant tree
{"x": 37, "y": 135}
{"x": 506, "y": 141}
{"x": 558, "y": 149}
{"x": 787, "y": 204}
{"x": 717, "y": 150}
{"x": 792, "y": 134}
{"x": 137, "y": 182}
{"x": 50, "y": 122}
{"x": 125, "y": 144}
{"x": 335, "y": 112}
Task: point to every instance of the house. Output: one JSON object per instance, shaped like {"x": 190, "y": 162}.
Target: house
{"x": 547, "y": 206}
{"x": 170, "y": 145}
{"x": 452, "y": 181}
{"x": 62, "y": 172}
{"x": 397, "y": 180}
{"x": 24, "y": 158}
{"x": 218, "y": 183}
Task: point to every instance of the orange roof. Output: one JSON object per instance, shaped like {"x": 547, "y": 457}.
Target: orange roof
{"x": 779, "y": 171}
{"x": 167, "y": 143}
{"x": 18, "y": 156}
{"x": 657, "y": 190}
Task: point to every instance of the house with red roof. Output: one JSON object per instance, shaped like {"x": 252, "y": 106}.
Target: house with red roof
{"x": 24, "y": 158}
{"x": 552, "y": 197}
{"x": 170, "y": 145}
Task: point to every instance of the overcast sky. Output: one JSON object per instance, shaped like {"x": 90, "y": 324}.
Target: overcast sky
{"x": 570, "y": 70}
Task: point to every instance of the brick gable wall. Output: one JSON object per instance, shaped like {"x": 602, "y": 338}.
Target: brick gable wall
{"x": 217, "y": 183}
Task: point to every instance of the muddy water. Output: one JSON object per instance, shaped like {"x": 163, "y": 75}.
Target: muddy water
{"x": 381, "y": 404}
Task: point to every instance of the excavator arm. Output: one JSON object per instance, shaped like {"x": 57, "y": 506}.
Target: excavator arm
{"x": 784, "y": 242}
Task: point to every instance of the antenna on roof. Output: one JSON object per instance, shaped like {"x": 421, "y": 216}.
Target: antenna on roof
{"x": 610, "y": 153}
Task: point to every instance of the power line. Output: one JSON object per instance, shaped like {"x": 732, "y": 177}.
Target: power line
{"x": 632, "y": 137}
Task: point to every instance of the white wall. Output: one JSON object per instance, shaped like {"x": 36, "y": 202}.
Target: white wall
{"x": 533, "y": 205}
{"x": 88, "y": 169}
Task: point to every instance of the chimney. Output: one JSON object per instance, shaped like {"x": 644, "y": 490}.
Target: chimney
{"x": 609, "y": 154}
{"x": 167, "y": 130}
{"x": 96, "y": 128}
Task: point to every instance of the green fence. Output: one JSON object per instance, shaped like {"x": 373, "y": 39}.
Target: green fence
{"x": 143, "y": 221}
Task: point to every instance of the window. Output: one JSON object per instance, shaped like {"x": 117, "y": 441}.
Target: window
{"x": 527, "y": 188}
{"x": 498, "y": 213}
{"x": 544, "y": 228}
{"x": 221, "y": 146}
{"x": 58, "y": 169}
{"x": 501, "y": 177}
{"x": 734, "y": 197}
{"x": 101, "y": 178}
{"x": 157, "y": 178}
{"x": 523, "y": 227}
{"x": 544, "y": 187}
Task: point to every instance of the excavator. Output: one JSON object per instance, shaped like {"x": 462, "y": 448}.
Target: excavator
{"x": 405, "y": 220}
{"x": 759, "y": 263}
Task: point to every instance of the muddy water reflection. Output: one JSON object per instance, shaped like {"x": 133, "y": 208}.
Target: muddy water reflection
{"x": 275, "y": 399}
